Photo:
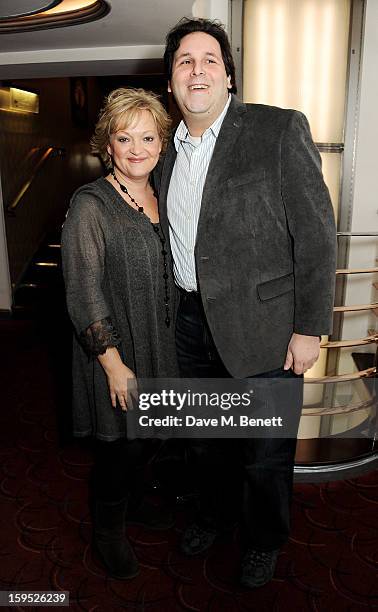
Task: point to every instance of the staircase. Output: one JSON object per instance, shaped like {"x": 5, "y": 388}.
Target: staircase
{"x": 41, "y": 290}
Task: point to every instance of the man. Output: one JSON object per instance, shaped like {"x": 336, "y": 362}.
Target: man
{"x": 252, "y": 234}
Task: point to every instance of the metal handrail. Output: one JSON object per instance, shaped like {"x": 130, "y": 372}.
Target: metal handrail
{"x": 350, "y": 343}
{"x": 48, "y": 152}
{"x": 351, "y": 234}
{"x": 369, "y": 372}
{"x": 344, "y": 409}
{"x": 356, "y": 271}
{"x": 356, "y": 307}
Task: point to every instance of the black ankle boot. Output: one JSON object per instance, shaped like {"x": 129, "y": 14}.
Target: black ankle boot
{"x": 109, "y": 539}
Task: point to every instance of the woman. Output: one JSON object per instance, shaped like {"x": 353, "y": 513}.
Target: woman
{"x": 119, "y": 295}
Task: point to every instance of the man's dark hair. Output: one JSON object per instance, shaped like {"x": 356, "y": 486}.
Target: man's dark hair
{"x": 188, "y": 26}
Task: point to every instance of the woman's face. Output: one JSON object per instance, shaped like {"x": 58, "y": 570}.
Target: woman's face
{"x": 135, "y": 150}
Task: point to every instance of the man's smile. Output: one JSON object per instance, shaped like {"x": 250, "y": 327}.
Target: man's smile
{"x": 198, "y": 86}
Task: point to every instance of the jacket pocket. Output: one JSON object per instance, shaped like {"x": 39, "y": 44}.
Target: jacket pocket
{"x": 275, "y": 287}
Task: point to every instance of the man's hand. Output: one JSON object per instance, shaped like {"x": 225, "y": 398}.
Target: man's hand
{"x": 302, "y": 353}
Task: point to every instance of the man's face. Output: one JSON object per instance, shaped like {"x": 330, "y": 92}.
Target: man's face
{"x": 199, "y": 81}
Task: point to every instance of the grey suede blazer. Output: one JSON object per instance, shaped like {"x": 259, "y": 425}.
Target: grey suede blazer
{"x": 266, "y": 248}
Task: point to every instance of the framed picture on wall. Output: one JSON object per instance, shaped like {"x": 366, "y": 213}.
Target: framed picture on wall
{"x": 79, "y": 101}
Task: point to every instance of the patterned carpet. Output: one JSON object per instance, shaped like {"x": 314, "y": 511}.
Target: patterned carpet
{"x": 329, "y": 564}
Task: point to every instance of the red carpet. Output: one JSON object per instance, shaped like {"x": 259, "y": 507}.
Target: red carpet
{"x": 330, "y": 563}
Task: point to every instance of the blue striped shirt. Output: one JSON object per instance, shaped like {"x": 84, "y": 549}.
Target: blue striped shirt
{"x": 185, "y": 196}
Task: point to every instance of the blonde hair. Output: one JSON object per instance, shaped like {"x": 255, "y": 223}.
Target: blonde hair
{"x": 120, "y": 109}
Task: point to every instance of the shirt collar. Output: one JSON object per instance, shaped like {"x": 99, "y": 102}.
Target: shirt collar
{"x": 182, "y": 132}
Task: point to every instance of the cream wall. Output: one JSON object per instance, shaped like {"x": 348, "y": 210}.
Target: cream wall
{"x": 364, "y": 251}
{"x": 212, "y": 9}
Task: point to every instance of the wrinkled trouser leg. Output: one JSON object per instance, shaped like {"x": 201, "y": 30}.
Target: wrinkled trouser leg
{"x": 211, "y": 463}
{"x": 268, "y": 465}
{"x": 267, "y": 492}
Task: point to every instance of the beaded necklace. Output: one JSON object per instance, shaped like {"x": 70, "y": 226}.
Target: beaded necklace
{"x": 164, "y": 252}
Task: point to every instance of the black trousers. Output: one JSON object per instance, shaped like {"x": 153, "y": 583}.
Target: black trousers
{"x": 118, "y": 470}
{"x": 249, "y": 480}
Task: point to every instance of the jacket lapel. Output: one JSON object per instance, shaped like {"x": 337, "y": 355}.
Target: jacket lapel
{"x": 221, "y": 162}
{"x": 168, "y": 163}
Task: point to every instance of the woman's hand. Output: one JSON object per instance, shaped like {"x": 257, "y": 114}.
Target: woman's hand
{"x": 118, "y": 375}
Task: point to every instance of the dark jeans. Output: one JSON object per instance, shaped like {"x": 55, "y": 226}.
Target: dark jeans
{"x": 248, "y": 479}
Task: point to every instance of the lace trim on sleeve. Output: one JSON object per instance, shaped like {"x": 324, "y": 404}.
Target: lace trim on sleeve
{"x": 99, "y": 336}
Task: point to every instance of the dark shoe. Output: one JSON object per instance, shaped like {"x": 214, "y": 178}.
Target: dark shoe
{"x": 196, "y": 539}
{"x": 110, "y": 542}
{"x": 151, "y": 516}
{"x": 258, "y": 567}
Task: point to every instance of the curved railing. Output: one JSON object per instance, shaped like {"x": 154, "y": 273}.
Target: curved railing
{"x": 343, "y": 399}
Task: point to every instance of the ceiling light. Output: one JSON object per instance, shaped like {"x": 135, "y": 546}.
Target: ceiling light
{"x": 55, "y": 14}
{"x": 11, "y": 9}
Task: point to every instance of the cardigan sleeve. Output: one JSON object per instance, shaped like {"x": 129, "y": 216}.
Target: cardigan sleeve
{"x": 83, "y": 259}
{"x": 311, "y": 225}
{"x": 99, "y": 336}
